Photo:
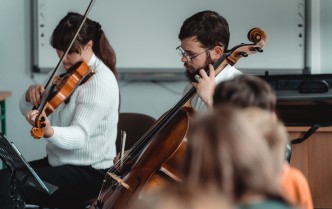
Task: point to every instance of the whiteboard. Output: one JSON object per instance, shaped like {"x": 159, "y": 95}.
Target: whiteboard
{"x": 144, "y": 33}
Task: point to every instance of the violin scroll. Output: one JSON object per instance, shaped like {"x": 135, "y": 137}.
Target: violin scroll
{"x": 38, "y": 131}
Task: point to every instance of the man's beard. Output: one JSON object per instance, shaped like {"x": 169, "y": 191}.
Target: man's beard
{"x": 191, "y": 75}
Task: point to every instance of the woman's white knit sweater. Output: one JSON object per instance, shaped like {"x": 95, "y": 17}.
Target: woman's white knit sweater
{"x": 85, "y": 129}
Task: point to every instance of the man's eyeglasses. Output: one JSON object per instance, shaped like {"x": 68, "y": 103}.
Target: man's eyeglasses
{"x": 182, "y": 53}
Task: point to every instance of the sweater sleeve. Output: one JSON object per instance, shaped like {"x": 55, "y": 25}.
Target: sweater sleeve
{"x": 24, "y": 105}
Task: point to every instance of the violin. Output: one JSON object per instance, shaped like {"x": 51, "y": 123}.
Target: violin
{"x": 61, "y": 89}
{"x": 164, "y": 141}
{"x": 62, "y": 86}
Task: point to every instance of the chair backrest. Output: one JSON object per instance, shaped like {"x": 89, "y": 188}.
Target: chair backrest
{"x": 135, "y": 125}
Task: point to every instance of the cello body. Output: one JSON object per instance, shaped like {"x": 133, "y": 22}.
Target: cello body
{"x": 145, "y": 175}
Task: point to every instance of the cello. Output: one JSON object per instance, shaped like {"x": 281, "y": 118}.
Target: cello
{"x": 158, "y": 154}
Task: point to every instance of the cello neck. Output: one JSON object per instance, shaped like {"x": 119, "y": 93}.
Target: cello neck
{"x": 163, "y": 120}
{"x": 255, "y": 35}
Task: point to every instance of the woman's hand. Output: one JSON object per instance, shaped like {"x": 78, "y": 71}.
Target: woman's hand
{"x": 31, "y": 118}
{"x": 34, "y": 94}
{"x": 205, "y": 85}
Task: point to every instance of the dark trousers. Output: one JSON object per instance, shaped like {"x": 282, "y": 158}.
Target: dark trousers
{"x": 77, "y": 184}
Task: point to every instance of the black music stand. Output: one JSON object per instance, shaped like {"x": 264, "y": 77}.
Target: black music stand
{"x": 22, "y": 173}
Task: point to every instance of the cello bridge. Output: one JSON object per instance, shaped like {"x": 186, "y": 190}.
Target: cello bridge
{"x": 119, "y": 180}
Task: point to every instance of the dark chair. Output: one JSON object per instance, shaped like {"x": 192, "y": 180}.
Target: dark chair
{"x": 135, "y": 125}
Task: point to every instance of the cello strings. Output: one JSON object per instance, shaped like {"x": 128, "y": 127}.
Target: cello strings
{"x": 156, "y": 127}
{"x": 134, "y": 151}
{"x": 177, "y": 107}
{"x": 143, "y": 140}
{"x": 159, "y": 124}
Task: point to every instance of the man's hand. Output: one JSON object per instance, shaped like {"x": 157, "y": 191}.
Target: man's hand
{"x": 205, "y": 85}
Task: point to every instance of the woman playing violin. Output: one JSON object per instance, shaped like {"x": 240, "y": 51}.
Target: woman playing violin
{"x": 81, "y": 132}
{"x": 204, "y": 39}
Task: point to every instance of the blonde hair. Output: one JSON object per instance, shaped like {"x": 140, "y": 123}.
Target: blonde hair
{"x": 180, "y": 197}
{"x": 273, "y": 131}
{"x": 226, "y": 152}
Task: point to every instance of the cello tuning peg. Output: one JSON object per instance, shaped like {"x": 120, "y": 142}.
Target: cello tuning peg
{"x": 243, "y": 54}
{"x": 258, "y": 49}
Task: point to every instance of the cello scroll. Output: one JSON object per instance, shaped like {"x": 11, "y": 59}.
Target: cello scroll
{"x": 255, "y": 35}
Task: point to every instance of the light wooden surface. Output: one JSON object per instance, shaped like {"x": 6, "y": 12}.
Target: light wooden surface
{"x": 4, "y": 95}
{"x": 314, "y": 158}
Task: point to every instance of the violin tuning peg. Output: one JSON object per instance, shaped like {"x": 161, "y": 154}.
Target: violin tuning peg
{"x": 42, "y": 125}
{"x": 258, "y": 49}
{"x": 42, "y": 119}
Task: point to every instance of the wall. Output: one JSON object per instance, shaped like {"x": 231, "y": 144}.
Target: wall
{"x": 145, "y": 37}
{"x": 326, "y": 34}
{"x": 150, "y": 98}
{"x": 15, "y": 72}
{"x": 320, "y": 33}
{"x": 15, "y": 59}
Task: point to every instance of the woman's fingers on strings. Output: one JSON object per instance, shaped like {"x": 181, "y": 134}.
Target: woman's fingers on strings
{"x": 33, "y": 114}
{"x": 41, "y": 90}
{"x": 38, "y": 96}
{"x": 33, "y": 98}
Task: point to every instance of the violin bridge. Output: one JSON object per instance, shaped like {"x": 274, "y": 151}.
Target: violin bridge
{"x": 56, "y": 80}
{"x": 119, "y": 180}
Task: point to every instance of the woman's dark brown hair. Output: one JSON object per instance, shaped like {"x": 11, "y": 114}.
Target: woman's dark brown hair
{"x": 91, "y": 30}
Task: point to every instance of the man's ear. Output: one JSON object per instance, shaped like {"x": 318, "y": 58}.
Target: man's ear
{"x": 216, "y": 52}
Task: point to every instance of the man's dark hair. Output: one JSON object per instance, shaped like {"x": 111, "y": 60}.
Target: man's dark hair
{"x": 210, "y": 28}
